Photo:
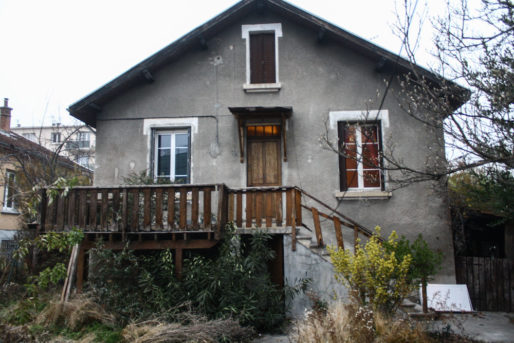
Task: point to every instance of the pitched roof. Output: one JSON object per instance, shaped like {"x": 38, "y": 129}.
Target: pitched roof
{"x": 88, "y": 107}
{"x": 13, "y": 143}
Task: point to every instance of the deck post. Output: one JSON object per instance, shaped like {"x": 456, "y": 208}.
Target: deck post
{"x": 222, "y": 210}
{"x": 80, "y": 268}
{"x": 42, "y": 209}
{"x": 293, "y": 234}
{"x": 178, "y": 263}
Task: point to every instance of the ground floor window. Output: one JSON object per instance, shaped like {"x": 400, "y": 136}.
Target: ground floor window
{"x": 172, "y": 155}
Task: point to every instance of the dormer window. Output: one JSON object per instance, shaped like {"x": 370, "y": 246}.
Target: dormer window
{"x": 262, "y": 57}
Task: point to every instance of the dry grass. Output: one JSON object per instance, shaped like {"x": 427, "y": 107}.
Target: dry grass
{"x": 15, "y": 334}
{"x": 200, "y": 331}
{"x": 74, "y": 314}
{"x": 347, "y": 324}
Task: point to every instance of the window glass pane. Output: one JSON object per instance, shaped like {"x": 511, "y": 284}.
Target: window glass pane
{"x": 349, "y": 134}
{"x": 352, "y": 179}
{"x": 181, "y": 161}
{"x": 181, "y": 140}
{"x": 83, "y": 136}
{"x": 9, "y": 191}
{"x": 263, "y": 130}
{"x": 350, "y": 153}
{"x": 369, "y": 134}
{"x": 371, "y": 178}
{"x": 164, "y": 141}
{"x": 370, "y": 156}
{"x": 163, "y": 162}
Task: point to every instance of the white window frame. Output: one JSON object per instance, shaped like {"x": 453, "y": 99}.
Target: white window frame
{"x": 5, "y": 207}
{"x": 172, "y": 133}
{"x": 363, "y": 117}
{"x": 54, "y": 135}
{"x": 81, "y": 135}
{"x": 246, "y": 31}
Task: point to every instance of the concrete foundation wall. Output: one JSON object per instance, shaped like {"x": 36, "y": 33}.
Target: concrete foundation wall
{"x": 305, "y": 264}
{"x": 317, "y": 78}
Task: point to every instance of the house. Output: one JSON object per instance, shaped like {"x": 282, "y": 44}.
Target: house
{"x": 76, "y": 142}
{"x": 23, "y": 164}
{"x": 234, "y": 110}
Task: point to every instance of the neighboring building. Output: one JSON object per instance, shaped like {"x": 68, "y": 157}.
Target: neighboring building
{"x": 20, "y": 157}
{"x": 76, "y": 142}
{"x": 243, "y": 100}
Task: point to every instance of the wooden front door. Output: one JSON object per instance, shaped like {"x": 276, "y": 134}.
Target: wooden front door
{"x": 264, "y": 167}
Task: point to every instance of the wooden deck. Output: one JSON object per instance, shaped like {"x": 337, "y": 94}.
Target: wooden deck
{"x": 185, "y": 217}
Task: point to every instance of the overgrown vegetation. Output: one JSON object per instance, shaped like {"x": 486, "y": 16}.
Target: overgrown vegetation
{"x": 234, "y": 284}
{"x": 485, "y": 190}
{"x": 218, "y": 298}
{"x": 379, "y": 275}
{"x": 348, "y": 323}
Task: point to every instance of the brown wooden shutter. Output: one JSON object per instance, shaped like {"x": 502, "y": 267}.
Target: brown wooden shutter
{"x": 341, "y": 128}
{"x": 262, "y": 58}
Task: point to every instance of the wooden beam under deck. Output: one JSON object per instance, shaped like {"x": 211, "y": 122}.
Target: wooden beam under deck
{"x": 155, "y": 245}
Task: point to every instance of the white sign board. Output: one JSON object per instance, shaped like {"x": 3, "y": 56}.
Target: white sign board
{"x": 448, "y": 298}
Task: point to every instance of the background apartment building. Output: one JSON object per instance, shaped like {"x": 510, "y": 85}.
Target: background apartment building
{"x": 76, "y": 142}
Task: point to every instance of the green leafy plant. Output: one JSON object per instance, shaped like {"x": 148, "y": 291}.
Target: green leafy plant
{"x": 374, "y": 274}
{"x": 484, "y": 190}
{"x": 51, "y": 275}
{"x": 425, "y": 261}
{"x": 234, "y": 283}
{"x": 60, "y": 242}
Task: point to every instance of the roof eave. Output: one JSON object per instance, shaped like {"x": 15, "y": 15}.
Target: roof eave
{"x": 88, "y": 107}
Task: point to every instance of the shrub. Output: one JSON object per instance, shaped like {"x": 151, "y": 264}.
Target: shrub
{"x": 373, "y": 273}
{"x": 425, "y": 261}
{"x": 237, "y": 283}
{"x": 233, "y": 284}
{"x": 57, "y": 243}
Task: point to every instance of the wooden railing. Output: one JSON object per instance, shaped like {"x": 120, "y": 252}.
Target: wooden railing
{"x": 340, "y": 222}
{"x": 264, "y": 207}
{"x": 190, "y": 208}
{"x": 133, "y": 208}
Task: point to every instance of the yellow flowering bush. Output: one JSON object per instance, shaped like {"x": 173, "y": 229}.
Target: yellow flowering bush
{"x": 374, "y": 275}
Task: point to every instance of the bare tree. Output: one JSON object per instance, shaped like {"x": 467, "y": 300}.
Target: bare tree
{"x": 473, "y": 50}
{"x": 37, "y": 167}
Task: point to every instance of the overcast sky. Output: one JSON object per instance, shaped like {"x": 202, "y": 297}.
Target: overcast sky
{"x": 54, "y": 52}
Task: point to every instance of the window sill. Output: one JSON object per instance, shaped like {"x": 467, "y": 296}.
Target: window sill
{"x": 9, "y": 211}
{"x": 262, "y": 87}
{"x": 364, "y": 194}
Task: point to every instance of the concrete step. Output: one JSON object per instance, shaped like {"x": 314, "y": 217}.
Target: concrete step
{"x": 303, "y": 237}
{"x": 411, "y": 307}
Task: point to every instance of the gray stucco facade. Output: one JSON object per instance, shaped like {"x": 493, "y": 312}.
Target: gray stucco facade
{"x": 322, "y": 82}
